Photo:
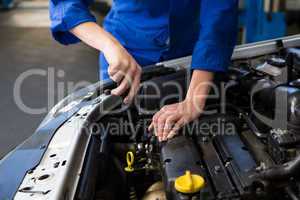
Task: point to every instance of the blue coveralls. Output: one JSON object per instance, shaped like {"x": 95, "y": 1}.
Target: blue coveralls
{"x": 157, "y": 30}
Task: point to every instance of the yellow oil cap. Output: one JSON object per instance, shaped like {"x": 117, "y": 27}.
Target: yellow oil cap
{"x": 189, "y": 183}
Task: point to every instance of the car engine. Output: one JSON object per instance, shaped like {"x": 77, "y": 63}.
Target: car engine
{"x": 245, "y": 145}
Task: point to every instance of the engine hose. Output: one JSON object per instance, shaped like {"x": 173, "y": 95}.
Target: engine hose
{"x": 282, "y": 172}
{"x": 277, "y": 172}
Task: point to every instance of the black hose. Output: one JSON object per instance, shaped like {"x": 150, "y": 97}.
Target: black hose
{"x": 277, "y": 172}
{"x": 282, "y": 172}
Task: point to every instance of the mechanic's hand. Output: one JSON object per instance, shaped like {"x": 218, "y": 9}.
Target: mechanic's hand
{"x": 123, "y": 69}
{"x": 171, "y": 118}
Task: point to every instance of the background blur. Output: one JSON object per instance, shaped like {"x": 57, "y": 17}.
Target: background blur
{"x": 26, "y": 43}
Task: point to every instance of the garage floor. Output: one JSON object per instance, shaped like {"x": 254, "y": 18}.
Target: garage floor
{"x": 26, "y": 44}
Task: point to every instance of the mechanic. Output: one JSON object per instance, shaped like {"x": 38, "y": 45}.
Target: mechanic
{"x": 137, "y": 33}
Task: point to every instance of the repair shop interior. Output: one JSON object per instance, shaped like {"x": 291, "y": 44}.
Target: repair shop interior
{"x": 150, "y": 99}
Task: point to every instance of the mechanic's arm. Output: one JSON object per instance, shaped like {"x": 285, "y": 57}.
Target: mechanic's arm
{"x": 71, "y": 22}
{"x": 212, "y": 53}
{"x": 123, "y": 68}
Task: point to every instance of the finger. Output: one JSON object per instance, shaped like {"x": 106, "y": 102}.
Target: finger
{"x": 118, "y": 76}
{"x": 161, "y": 124}
{"x": 157, "y": 116}
{"x": 156, "y": 129}
{"x": 159, "y": 120}
{"x": 165, "y": 109}
{"x": 160, "y": 139}
{"x": 179, "y": 124}
{"x": 171, "y": 134}
{"x": 134, "y": 87}
{"x": 113, "y": 69}
{"x": 170, "y": 121}
{"x": 151, "y": 127}
{"x": 125, "y": 84}
{"x": 154, "y": 122}
{"x": 121, "y": 88}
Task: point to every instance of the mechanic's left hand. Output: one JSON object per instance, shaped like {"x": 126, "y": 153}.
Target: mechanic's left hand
{"x": 171, "y": 118}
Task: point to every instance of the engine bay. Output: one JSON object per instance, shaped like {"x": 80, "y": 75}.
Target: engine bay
{"x": 245, "y": 145}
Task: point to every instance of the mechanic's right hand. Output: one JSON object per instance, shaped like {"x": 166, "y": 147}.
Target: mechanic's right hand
{"x": 122, "y": 69}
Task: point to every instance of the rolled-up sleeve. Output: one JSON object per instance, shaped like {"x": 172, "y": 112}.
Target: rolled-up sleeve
{"x": 218, "y": 35}
{"x": 65, "y": 15}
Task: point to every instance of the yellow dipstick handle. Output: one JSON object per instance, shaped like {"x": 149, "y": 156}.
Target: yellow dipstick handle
{"x": 130, "y": 161}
